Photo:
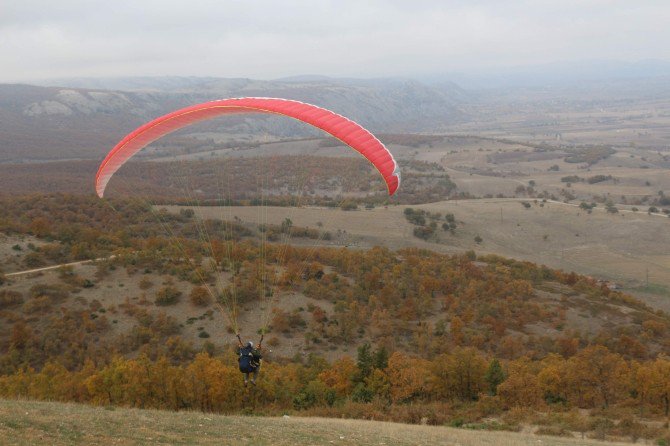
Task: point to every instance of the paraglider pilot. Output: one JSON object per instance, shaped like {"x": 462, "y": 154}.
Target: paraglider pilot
{"x": 249, "y": 358}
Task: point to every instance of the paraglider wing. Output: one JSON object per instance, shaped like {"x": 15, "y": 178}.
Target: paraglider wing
{"x": 338, "y": 126}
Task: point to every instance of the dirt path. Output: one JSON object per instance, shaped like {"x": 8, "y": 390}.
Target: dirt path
{"x": 48, "y": 268}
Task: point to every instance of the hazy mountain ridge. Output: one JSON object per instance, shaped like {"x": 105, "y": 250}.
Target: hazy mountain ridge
{"x": 51, "y": 123}
{"x": 559, "y": 74}
{"x": 73, "y": 121}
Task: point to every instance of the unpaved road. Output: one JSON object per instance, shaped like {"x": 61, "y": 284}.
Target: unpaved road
{"x": 48, "y": 268}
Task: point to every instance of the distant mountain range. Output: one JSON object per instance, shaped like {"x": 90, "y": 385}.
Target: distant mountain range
{"x": 83, "y": 118}
{"x": 557, "y": 74}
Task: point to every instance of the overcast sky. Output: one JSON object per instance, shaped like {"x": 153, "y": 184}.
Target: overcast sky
{"x": 268, "y": 39}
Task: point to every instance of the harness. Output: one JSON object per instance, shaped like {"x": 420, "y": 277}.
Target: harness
{"x": 249, "y": 360}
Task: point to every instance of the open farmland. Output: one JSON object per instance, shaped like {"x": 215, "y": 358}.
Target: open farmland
{"x": 623, "y": 112}
{"x": 483, "y": 167}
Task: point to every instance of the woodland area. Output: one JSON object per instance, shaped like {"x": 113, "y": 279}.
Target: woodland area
{"x": 285, "y": 180}
{"x": 476, "y": 341}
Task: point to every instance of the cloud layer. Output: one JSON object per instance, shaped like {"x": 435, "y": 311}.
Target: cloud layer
{"x": 269, "y": 39}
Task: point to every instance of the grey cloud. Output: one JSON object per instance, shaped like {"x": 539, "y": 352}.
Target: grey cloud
{"x": 266, "y": 39}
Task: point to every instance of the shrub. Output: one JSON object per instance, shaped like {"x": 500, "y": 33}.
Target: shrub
{"x": 316, "y": 393}
{"x": 362, "y": 394}
{"x": 67, "y": 275}
{"x": 601, "y": 427}
{"x": 556, "y": 431}
{"x": 630, "y": 427}
{"x": 200, "y": 297}
{"x": 586, "y": 206}
{"x": 295, "y": 320}
{"x": 167, "y": 295}
{"x": 34, "y": 260}
{"x": 37, "y": 305}
{"x": 571, "y": 179}
{"x": 415, "y": 216}
{"x": 280, "y": 321}
{"x": 145, "y": 283}
{"x": 55, "y": 292}
{"x": 348, "y": 205}
{"x": 598, "y": 179}
{"x": 655, "y": 327}
{"x": 423, "y": 232}
{"x": 187, "y": 213}
{"x": 10, "y": 298}
{"x": 611, "y": 208}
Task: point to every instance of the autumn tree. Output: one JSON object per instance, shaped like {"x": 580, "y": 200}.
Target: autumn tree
{"x": 456, "y": 329}
{"x": 340, "y": 377}
{"x": 408, "y": 377}
{"x": 596, "y": 376}
{"x": 459, "y": 375}
{"x": 521, "y": 388}
{"x": 552, "y": 379}
{"x": 40, "y": 227}
{"x": 652, "y": 383}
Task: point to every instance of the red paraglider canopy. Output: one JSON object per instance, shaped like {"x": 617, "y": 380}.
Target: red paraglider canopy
{"x": 338, "y": 126}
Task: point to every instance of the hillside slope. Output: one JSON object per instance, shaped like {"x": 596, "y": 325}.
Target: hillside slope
{"x": 626, "y": 248}
{"x": 28, "y": 423}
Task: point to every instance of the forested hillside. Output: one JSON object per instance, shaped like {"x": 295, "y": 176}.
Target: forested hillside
{"x": 281, "y": 180}
{"x": 405, "y": 335}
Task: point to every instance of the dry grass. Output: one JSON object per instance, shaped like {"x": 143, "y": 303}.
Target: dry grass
{"x": 30, "y": 423}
